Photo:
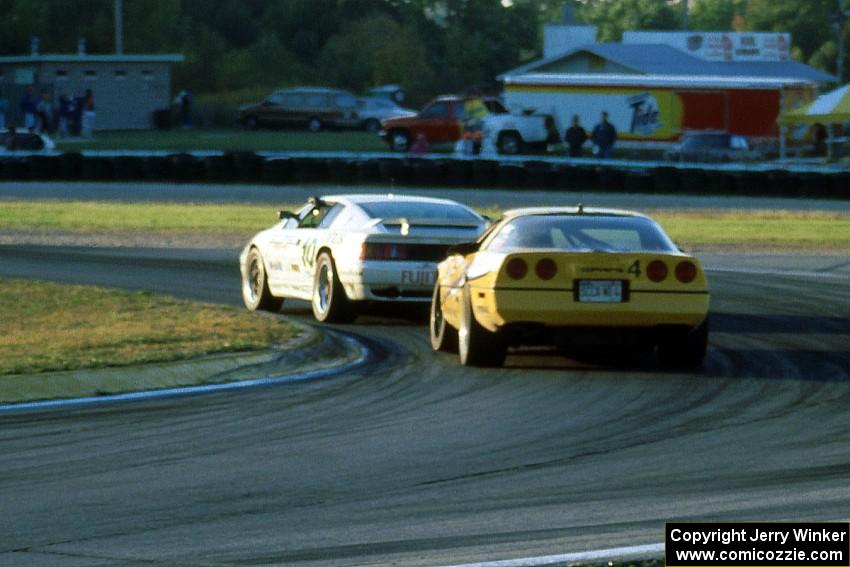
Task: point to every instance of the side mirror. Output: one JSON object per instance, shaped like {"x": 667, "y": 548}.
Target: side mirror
{"x": 286, "y": 215}
{"x": 464, "y": 248}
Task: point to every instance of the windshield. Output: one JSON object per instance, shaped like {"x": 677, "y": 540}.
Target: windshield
{"x": 414, "y": 210}
{"x": 574, "y": 232}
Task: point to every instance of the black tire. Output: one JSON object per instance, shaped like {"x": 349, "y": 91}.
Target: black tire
{"x": 476, "y": 345}
{"x": 443, "y": 335}
{"x": 510, "y": 143}
{"x": 399, "y": 140}
{"x": 330, "y": 304}
{"x": 372, "y": 125}
{"x": 250, "y": 122}
{"x": 255, "y": 285}
{"x": 314, "y": 124}
{"x": 686, "y": 351}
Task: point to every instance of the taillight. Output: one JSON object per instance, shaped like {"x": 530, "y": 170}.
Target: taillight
{"x": 546, "y": 269}
{"x": 516, "y": 268}
{"x": 380, "y": 251}
{"x": 686, "y": 272}
{"x": 656, "y": 271}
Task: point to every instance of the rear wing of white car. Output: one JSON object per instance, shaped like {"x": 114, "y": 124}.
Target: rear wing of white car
{"x": 403, "y": 225}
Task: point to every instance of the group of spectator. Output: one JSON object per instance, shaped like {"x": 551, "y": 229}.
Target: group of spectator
{"x": 67, "y": 116}
{"x": 602, "y": 137}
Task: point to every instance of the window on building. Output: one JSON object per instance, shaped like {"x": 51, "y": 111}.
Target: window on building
{"x": 61, "y": 75}
{"x": 120, "y": 75}
{"x": 90, "y": 75}
{"x": 147, "y": 74}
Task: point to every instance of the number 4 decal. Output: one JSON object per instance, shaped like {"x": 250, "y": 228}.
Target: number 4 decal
{"x": 634, "y": 269}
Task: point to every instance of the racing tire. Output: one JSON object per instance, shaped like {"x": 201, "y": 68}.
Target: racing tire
{"x": 443, "y": 335}
{"x": 686, "y": 351}
{"x": 510, "y": 143}
{"x": 314, "y": 124}
{"x": 372, "y": 125}
{"x": 399, "y": 141}
{"x": 255, "y": 285}
{"x": 330, "y": 304}
{"x": 476, "y": 345}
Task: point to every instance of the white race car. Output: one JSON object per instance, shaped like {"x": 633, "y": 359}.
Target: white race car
{"x": 343, "y": 249}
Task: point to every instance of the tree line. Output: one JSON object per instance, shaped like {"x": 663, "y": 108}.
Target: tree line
{"x": 237, "y": 48}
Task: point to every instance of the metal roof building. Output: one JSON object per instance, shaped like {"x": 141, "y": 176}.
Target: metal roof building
{"x": 127, "y": 89}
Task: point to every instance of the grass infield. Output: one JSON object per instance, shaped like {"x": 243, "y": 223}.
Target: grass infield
{"x": 756, "y": 230}
{"x": 50, "y": 327}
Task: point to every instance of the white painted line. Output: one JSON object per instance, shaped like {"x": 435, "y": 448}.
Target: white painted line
{"x": 652, "y": 549}
{"x": 190, "y": 390}
{"x": 794, "y": 273}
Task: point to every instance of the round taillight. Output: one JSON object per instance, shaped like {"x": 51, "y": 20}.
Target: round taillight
{"x": 686, "y": 272}
{"x": 516, "y": 268}
{"x": 546, "y": 269}
{"x": 656, "y": 271}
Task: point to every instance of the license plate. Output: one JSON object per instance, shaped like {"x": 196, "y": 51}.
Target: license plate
{"x": 418, "y": 277}
{"x": 600, "y": 291}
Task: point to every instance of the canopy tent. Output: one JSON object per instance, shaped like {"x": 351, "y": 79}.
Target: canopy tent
{"x": 828, "y": 109}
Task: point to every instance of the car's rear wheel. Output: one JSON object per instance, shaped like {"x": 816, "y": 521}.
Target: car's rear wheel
{"x": 372, "y": 125}
{"x": 687, "y": 350}
{"x": 399, "y": 141}
{"x": 255, "y": 285}
{"x": 510, "y": 143}
{"x": 443, "y": 335}
{"x": 250, "y": 122}
{"x": 476, "y": 345}
{"x": 314, "y": 124}
{"x": 330, "y": 304}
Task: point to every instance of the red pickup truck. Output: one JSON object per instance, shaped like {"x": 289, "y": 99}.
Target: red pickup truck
{"x": 441, "y": 121}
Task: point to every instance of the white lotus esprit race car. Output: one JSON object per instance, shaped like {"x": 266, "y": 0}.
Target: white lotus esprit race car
{"x": 343, "y": 249}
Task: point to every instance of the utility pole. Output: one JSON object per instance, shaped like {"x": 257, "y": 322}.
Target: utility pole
{"x": 119, "y": 28}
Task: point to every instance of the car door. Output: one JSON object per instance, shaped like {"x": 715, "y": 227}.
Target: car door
{"x": 312, "y": 232}
{"x": 438, "y": 123}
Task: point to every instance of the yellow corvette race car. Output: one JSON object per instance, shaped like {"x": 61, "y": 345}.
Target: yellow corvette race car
{"x": 570, "y": 277}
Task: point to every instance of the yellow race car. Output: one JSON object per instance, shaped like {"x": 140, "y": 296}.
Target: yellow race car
{"x": 570, "y": 277}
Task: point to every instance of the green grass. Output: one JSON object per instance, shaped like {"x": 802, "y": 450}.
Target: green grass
{"x": 226, "y": 140}
{"x": 804, "y": 231}
{"x": 49, "y": 327}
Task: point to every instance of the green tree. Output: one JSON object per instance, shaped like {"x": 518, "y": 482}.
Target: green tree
{"x": 715, "y": 15}
{"x": 613, "y": 17}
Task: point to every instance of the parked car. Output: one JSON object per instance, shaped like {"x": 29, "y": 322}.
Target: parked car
{"x": 342, "y": 250}
{"x": 517, "y": 133}
{"x": 441, "y": 121}
{"x": 713, "y": 147}
{"x": 569, "y": 277}
{"x": 312, "y": 108}
{"x": 373, "y": 110}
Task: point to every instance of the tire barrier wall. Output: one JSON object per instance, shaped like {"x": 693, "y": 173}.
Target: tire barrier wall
{"x": 483, "y": 173}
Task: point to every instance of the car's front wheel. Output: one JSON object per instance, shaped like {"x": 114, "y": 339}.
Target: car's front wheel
{"x": 330, "y": 304}
{"x": 443, "y": 335}
{"x": 255, "y": 285}
{"x": 399, "y": 141}
{"x": 476, "y": 345}
{"x": 510, "y": 143}
{"x": 372, "y": 125}
{"x": 314, "y": 124}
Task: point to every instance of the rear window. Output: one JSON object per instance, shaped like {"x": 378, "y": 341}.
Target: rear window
{"x": 573, "y": 232}
{"x": 408, "y": 210}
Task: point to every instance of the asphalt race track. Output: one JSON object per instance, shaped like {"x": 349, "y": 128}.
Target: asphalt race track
{"x": 416, "y": 461}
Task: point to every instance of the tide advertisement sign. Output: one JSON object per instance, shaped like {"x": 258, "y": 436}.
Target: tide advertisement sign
{"x": 637, "y": 114}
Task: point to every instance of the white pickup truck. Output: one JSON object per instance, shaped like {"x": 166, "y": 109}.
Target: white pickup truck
{"x": 517, "y": 133}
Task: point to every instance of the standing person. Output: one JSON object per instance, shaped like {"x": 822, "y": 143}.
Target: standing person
{"x": 88, "y": 114}
{"x": 77, "y": 104}
{"x": 186, "y": 108}
{"x": 28, "y": 108}
{"x": 4, "y": 108}
{"x": 45, "y": 114}
{"x": 575, "y": 137}
{"x": 66, "y": 114}
{"x": 603, "y": 136}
